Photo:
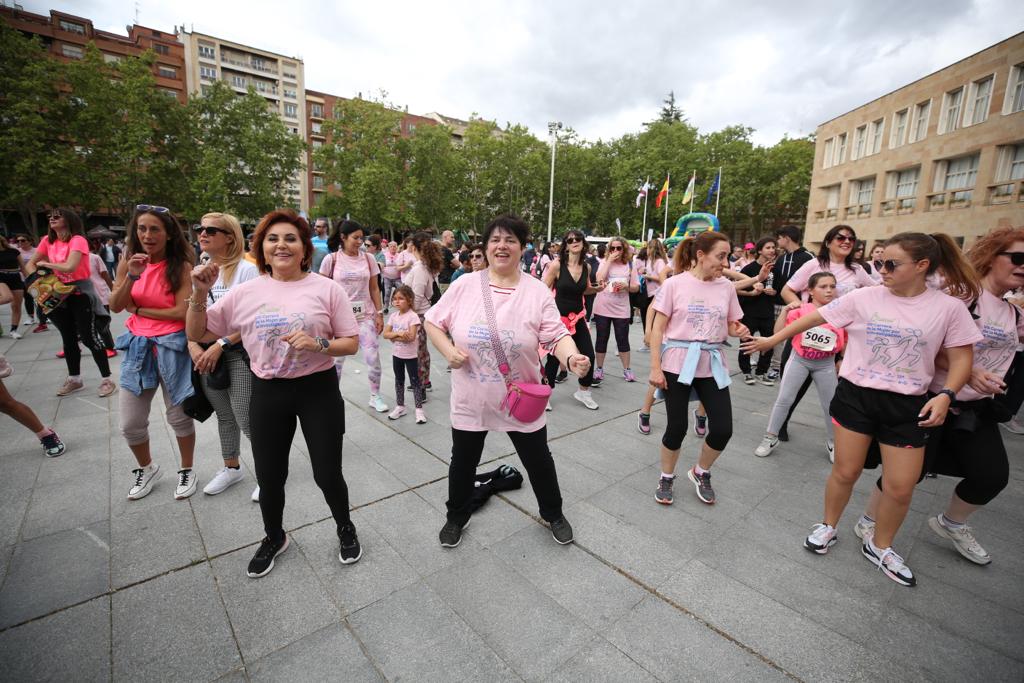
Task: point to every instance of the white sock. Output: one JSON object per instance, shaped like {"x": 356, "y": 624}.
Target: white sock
{"x": 75, "y": 378}
{"x": 950, "y": 524}
{"x": 697, "y": 469}
{"x": 667, "y": 476}
{"x": 866, "y": 520}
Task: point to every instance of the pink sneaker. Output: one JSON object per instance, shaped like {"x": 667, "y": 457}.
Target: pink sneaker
{"x": 421, "y": 418}
{"x": 628, "y": 375}
{"x": 70, "y": 386}
{"x": 5, "y": 368}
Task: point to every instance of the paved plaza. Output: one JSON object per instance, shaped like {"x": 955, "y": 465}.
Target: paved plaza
{"x": 96, "y": 587}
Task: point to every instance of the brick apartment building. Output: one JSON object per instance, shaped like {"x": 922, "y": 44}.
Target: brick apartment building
{"x": 944, "y": 153}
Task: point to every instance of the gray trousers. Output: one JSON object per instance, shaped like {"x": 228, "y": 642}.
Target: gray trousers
{"x": 798, "y": 368}
{"x": 777, "y": 350}
{"x": 232, "y": 404}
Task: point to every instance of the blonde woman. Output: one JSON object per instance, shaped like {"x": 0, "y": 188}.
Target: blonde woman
{"x": 655, "y": 270}
{"x": 220, "y": 238}
{"x": 616, "y": 280}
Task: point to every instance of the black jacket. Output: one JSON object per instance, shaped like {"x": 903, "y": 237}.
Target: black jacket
{"x": 784, "y": 267}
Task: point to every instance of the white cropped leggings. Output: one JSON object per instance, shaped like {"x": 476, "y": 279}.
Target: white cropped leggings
{"x": 798, "y": 368}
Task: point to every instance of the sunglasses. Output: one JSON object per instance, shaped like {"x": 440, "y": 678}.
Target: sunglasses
{"x": 1016, "y": 257}
{"x": 573, "y": 240}
{"x": 150, "y": 207}
{"x": 210, "y": 230}
{"x": 55, "y": 217}
{"x": 844, "y": 238}
{"x": 892, "y": 264}
{"x": 614, "y": 248}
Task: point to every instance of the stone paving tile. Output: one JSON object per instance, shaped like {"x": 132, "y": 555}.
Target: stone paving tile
{"x": 601, "y": 661}
{"x": 67, "y": 505}
{"x": 151, "y": 540}
{"x": 495, "y": 521}
{"x": 414, "y": 635}
{"x": 56, "y": 571}
{"x": 12, "y": 514}
{"x": 172, "y": 628}
{"x": 331, "y": 654}
{"x": 71, "y": 645}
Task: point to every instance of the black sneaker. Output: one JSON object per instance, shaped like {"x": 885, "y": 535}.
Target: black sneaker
{"x": 429, "y": 386}
{"x": 561, "y": 531}
{"x": 773, "y": 375}
{"x": 263, "y": 561}
{"x": 784, "y": 433}
{"x": 451, "y": 534}
{"x": 644, "y": 423}
{"x": 350, "y": 551}
{"x": 52, "y": 445}
{"x": 702, "y": 483}
{"x": 664, "y": 493}
{"x": 561, "y": 377}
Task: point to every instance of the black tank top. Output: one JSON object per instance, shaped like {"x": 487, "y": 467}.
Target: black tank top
{"x": 569, "y": 292}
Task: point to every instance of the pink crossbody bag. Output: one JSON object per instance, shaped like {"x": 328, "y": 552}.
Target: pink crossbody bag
{"x": 524, "y": 401}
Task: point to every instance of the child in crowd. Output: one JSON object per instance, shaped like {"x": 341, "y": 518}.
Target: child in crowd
{"x": 401, "y": 330}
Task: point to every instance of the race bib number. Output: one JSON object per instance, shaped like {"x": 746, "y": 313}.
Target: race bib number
{"x": 819, "y": 339}
{"x": 357, "y": 309}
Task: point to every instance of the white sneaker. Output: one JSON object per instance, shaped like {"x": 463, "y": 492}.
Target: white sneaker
{"x": 30, "y": 322}
{"x": 821, "y": 538}
{"x": 144, "y": 477}
{"x": 768, "y": 444}
{"x": 830, "y": 447}
{"x": 223, "y": 479}
{"x": 255, "y": 497}
{"x": 963, "y": 539}
{"x": 548, "y": 406}
{"x": 15, "y": 334}
{"x": 378, "y": 404}
{"x": 398, "y": 412}
{"x": 421, "y": 417}
{"x": 891, "y": 564}
{"x": 864, "y": 529}
{"x": 585, "y": 398}
{"x": 187, "y": 483}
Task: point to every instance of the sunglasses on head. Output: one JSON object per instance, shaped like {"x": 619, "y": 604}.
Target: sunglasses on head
{"x": 1016, "y": 257}
{"x": 150, "y": 207}
{"x": 844, "y": 238}
{"x": 210, "y": 230}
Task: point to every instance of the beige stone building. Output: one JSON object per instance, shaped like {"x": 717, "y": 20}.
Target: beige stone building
{"x": 944, "y": 153}
{"x": 278, "y": 78}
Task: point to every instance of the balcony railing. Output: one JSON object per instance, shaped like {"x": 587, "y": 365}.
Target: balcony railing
{"x": 858, "y": 211}
{"x": 1006, "y": 192}
{"x": 247, "y": 64}
{"x": 949, "y": 199}
{"x": 898, "y": 207}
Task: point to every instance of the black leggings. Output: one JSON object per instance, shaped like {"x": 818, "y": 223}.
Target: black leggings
{"x": 533, "y": 451}
{"x": 275, "y": 405}
{"x": 582, "y": 339}
{"x": 30, "y": 308}
{"x": 643, "y": 303}
{"x": 604, "y": 325}
{"x": 75, "y": 320}
{"x": 766, "y": 326}
{"x": 716, "y": 402}
{"x": 400, "y": 366}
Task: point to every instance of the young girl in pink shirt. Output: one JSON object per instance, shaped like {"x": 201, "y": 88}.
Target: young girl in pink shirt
{"x": 895, "y": 333}
{"x": 402, "y": 330}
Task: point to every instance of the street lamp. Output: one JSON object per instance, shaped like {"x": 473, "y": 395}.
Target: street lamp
{"x": 553, "y": 128}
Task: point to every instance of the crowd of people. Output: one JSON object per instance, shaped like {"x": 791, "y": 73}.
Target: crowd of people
{"x": 913, "y": 352}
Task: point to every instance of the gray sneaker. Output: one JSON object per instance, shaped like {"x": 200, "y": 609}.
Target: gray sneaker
{"x": 664, "y": 493}
{"x": 702, "y": 484}
{"x": 451, "y": 534}
{"x": 963, "y": 540}
{"x": 561, "y": 531}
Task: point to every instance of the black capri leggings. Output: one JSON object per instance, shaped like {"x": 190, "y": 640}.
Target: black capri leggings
{"x": 315, "y": 402}
{"x": 716, "y": 402}
{"x": 76, "y": 320}
{"x": 582, "y": 339}
{"x": 604, "y": 325}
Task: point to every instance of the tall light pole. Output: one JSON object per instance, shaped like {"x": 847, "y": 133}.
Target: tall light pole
{"x": 553, "y": 128}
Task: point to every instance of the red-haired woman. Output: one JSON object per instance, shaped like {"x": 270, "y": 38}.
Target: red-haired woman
{"x": 293, "y": 324}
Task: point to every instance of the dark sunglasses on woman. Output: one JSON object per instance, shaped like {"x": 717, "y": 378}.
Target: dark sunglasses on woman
{"x": 1016, "y": 257}
{"x": 210, "y": 230}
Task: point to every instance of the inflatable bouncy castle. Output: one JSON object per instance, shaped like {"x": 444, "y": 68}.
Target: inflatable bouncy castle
{"x": 692, "y": 224}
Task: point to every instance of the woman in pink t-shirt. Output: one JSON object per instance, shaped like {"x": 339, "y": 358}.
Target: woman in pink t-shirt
{"x": 616, "y": 280}
{"x": 422, "y": 279}
{"x": 356, "y": 272}
{"x": 695, "y": 311}
{"x": 389, "y": 271}
{"x": 655, "y": 270}
{"x": 835, "y": 256}
{"x": 895, "y": 333}
{"x": 65, "y": 251}
{"x": 524, "y": 318}
{"x": 293, "y": 324}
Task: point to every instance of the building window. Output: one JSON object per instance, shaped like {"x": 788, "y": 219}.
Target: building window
{"x": 166, "y": 71}
{"x": 72, "y": 27}
{"x": 161, "y": 49}
{"x": 978, "y": 102}
{"x": 906, "y": 183}
{"x": 826, "y": 157}
{"x": 208, "y": 73}
{"x": 72, "y": 51}
{"x": 901, "y": 191}
{"x": 877, "y": 129}
{"x": 840, "y": 149}
{"x": 316, "y": 111}
{"x": 862, "y": 193}
{"x": 919, "y": 121}
{"x": 290, "y": 93}
{"x": 112, "y": 59}
{"x": 291, "y": 110}
{"x": 1010, "y": 163}
{"x": 951, "y": 105}
{"x": 954, "y": 182}
{"x": 860, "y": 142}
{"x": 207, "y": 52}
{"x": 317, "y": 127}
{"x": 1014, "y": 101}
{"x": 317, "y": 144}
{"x": 832, "y": 201}
{"x": 961, "y": 172}
{"x": 899, "y": 128}
{"x": 238, "y": 81}
{"x": 170, "y": 93}
{"x": 318, "y": 182}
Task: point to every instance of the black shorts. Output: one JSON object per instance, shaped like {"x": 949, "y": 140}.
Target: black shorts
{"x": 889, "y": 417}
{"x": 12, "y": 280}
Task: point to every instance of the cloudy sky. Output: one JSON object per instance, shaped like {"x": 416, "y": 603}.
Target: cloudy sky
{"x": 601, "y": 67}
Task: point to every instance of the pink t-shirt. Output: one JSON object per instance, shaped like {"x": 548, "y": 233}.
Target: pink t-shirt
{"x": 96, "y": 270}
{"x": 615, "y": 304}
{"x": 419, "y": 279}
{"x": 403, "y": 322}
{"x": 58, "y": 252}
{"x": 391, "y": 263}
{"x": 823, "y": 341}
{"x": 654, "y": 268}
{"x": 697, "y": 310}
{"x": 998, "y": 322}
{"x": 893, "y": 340}
{"x": 353, "y": 273}
{"x": 403, "y": 258}
{"x": 265, "y": 309}
{"x": 846, "y": 280}
{"x": 151, "y": 291}
{"x": 526, "y": 318}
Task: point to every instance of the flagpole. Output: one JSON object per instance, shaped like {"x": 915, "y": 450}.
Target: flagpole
{"x": 718, "y": 195}
{"x": 693, "y": 180}
{"x": 664, "y": 229}
{"x": 643, "y": 230}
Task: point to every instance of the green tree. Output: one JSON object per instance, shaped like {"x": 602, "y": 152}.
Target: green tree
{"x": 437, "y": 173}
{"x": 241, "y": 157}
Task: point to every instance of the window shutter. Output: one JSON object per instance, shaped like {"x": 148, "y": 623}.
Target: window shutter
{"x": 939, "y": 180}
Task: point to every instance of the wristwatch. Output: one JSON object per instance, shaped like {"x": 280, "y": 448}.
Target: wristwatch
{"x": 224, "y": 342}
{"x": 950, "y": 393}
{"x": 323, "y": 343}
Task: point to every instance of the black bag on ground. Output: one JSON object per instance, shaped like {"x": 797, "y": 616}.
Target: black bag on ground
{"x": 505, "y": 478}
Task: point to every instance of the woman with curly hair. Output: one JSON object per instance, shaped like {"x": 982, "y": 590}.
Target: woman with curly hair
{"x": 422, "y": 280}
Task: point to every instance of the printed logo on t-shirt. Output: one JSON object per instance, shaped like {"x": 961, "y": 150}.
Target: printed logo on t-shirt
{"x": 480, "y": 346}
{"x": 271, "y": 323}
{"x": 706, "y": 321}
{"x": 895, "y": 351}
{"x": 998, "y": 345}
